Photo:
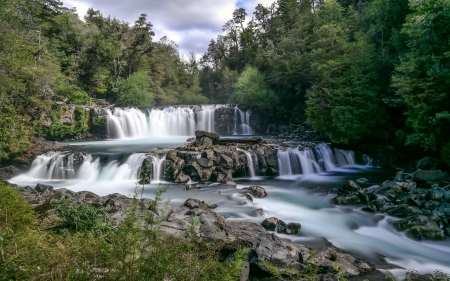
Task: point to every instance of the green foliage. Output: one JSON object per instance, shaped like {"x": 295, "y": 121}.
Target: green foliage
{"x": 135, "y": 91}
{"x": 14, "y": 133}
{"x": 251, "y": 90}
{"x": 81, "y": 217}
{"x": 64, "y": 131}
{"x": 423, "y": 75}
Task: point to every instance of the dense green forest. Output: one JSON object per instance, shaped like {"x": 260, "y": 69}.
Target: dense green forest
{"x": 358, "y": 70}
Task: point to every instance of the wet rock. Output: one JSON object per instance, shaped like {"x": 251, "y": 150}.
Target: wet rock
{"x": 231, "y": 183}
{"x": 205, "y": 163}
{"x": 348, "y": 188}
{"x": 248, "y": 197}
{"x": 362, "y": 180}
{"x": 403, "y": 211}
{"x": 432, "y": 205}
{"x": 425, "y": 163}
{"x": 293, "y": 228}
{"x": 417, "y": 200}
{"x": 43, "y": 187}
{"x": 181, "y": 178}
{"x": 171, "y": 155}
{"x": 215, "y": 138}
{"x": 407, "y": 186}
{"x": 420, "y": 228}
{"x": 429, "y": 175}
{"x": 257, "y": 191}
{"x": 436, "y": 194}
{"x": 349, "y": 265}
{"x": 346, "y": 200}
{"x": 270, "y": 224}
{"x": 226, "y": 161}
{"x": 9, "y": 172}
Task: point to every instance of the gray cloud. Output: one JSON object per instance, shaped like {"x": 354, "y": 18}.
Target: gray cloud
{"x": 190, "y": 24}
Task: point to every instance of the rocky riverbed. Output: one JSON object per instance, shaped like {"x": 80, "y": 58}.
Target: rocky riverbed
{"x": 266, "y": 247}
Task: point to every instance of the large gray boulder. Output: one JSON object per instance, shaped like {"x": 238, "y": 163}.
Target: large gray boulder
{"x": 429, "y": 175}
{"x": 420, "y": 228}
{"x": 256, "y": 191}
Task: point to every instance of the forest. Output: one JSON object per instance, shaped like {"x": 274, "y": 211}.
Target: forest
{"x": 359, "y": 71}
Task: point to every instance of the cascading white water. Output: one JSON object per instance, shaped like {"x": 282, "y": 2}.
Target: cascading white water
{"x": 158, "y": 162}
{"x": 251, "y": 167}
{"x": 169, "y": 121}
{"x": 293, "y": 161}
{"x": 244, "y": 127}
{"x": 52, "y": 166}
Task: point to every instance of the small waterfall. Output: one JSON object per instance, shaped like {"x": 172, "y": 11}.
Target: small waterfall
{"x": 130, "y": 123}
{"x": 251, "y": 166}
{"x": 158, "y": 162}
{"x": 205, "y": 118}
{"x": 171, "y": 121}
{"x": 293, "y": 161}
{"x": 60, "y": 166}
{"x": 244, "y": 118}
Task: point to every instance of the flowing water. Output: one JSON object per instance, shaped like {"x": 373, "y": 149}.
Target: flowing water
{"x": 106, "y": 167}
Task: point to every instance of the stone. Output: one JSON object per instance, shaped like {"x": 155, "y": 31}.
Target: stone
{"x": 43, "y": 187}
{"x": 257, "y": 191}
{"x": 403, "y": 211}
{"x": 436, "y": 194}
{"x": 231, "y": 183}
{"x": 9, "y": 172}
{"x": 182, "y": 178}
{"x": 346, "y": 200}
{"x": 226, "y": 161}
{"x": 293, "y": 228}
{"x": 171, "y": 155}
{"x": 214, "y": 138}
{"x": 270, "y": 224}
{"x": 420, "y": 228}
{"x": 245, "y": 272}
{"x": 424, "y": 164}
{"x": 429, "y": 175}
{"x": 432, "y": 205}
{"x": 362, "y": 180}
{"x": 349, "y": 187}
{"x": 205, "y": 163}
{"x": 407, "y": 186}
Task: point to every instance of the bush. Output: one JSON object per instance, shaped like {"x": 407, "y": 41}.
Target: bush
{"x": 135, "y": 91}
{"x": 252, "y": 90}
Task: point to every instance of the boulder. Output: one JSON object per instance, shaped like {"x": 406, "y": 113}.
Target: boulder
{"x": 420, "y": 228}
{"x": 270, "y": 224}
{"x": 171, "y": 155}
{"x": 205, "y": 163}
{"x": 43, "y": 187}
{"x": 403, "y": 211}
{"x": 346, "y": 200}
{"x": 429, "y": 175}
{"x": 348, "y": 188}
{"x": 257, "y": 191}
{"x": 231, "y": 183}
{"x": 432, "y": 205}
{"x": 181, "y": 178}
{"x": 425, "y": 163}
{"x": 214, "y": 138}
{"x": 225, "y": 161}
{"x": 9, "y": 172}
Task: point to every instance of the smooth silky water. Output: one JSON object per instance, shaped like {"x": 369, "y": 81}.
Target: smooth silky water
{"x": 297, "y": 195}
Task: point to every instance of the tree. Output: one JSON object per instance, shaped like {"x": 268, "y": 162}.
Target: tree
{"x": 135, "y": 91}
{"x": 343, "y": 99}
{"x": 422, "y": 78}
{"x": 251, "y": 90}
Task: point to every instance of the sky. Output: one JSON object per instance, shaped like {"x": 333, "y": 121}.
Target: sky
{"x": 190, "y": 24}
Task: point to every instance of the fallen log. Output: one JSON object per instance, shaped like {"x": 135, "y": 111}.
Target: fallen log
{"x": 240, "y": 140}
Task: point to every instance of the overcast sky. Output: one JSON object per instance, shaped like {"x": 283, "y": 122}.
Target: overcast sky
{"x": 190, "y": 24}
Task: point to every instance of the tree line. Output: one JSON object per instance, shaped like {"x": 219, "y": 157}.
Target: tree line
{"x": 362, "y": 71}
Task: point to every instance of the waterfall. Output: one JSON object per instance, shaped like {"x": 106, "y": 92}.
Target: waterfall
{"x": 250, "y": 165}
{"x": 205, "y": 118}
{"x": 158, "y": 162}
{"x": 169, "y": 121}
{"x": 60, "y": 166}
{"x": 293, "y": 161}
{"x": 242, "y": 128}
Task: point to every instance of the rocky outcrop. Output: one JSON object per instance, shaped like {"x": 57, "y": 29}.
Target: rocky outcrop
{"x": 9, "y": 172}
{"x": 423, "y": 206}
{"x": 196, "y": 217}
{"x": 205, "y": 160}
